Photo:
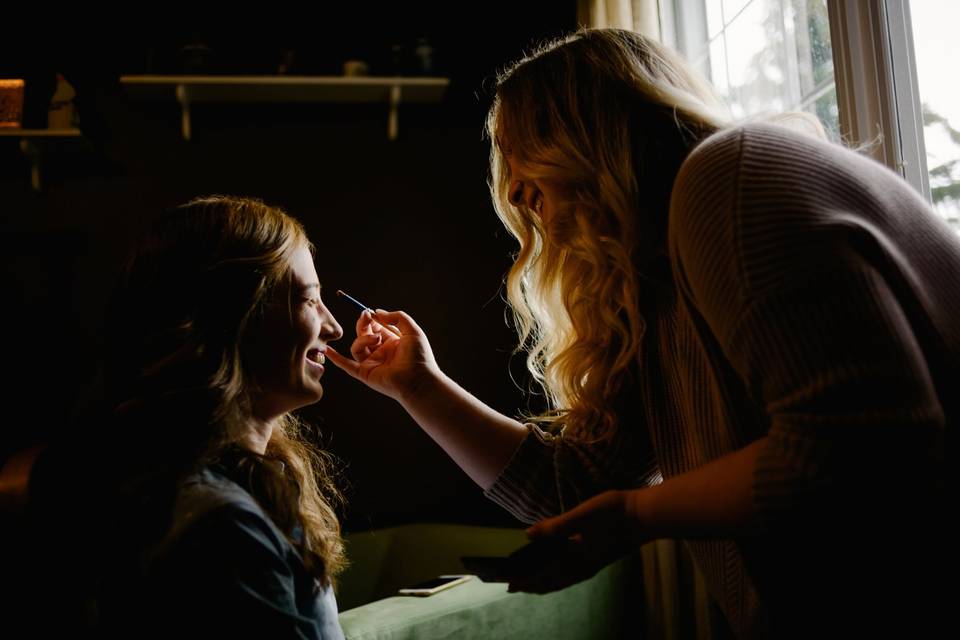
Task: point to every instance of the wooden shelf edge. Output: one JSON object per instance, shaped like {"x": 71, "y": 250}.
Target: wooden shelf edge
{"x": 263, "y": 80}
{"x": 39, "y": 133}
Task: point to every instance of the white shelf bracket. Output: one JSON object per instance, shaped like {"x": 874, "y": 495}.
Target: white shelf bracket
{"x": 393, "y": 117}
{"x": 183, "y": 97}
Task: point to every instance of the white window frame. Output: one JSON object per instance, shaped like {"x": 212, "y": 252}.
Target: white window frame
{"x": 876, "y": 81}
{"x": 877, "y": 91}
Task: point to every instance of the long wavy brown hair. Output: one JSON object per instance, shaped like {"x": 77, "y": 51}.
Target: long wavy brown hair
{"x": 609, "y": 115}
{"x": 192, "y": 290}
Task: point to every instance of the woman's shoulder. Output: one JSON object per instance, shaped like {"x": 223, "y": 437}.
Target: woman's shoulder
{"x": 763, "y": 173}
{"x": 208, "y": 489}
{"x": 778, "y": 153}
{"x": 764, "y": 142}
{"x": 210, "y": 504}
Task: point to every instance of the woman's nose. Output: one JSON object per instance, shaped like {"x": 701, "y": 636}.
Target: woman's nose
{"x": 516, "y": 193}
{"x": 330, "y": 329}
{"x": 335, "y": 330}
{"x": 522, "y": 193}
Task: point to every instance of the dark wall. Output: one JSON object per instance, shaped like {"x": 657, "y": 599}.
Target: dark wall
{"x": 403, "y": 224}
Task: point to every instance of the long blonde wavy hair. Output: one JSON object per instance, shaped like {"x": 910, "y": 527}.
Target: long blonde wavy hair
{"x": 193, "y": 289}
{"x": 609, "y": 116}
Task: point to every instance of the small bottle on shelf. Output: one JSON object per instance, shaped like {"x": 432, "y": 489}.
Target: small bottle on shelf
{"x": 62, "y": 114}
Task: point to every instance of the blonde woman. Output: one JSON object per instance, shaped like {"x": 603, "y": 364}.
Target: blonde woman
{"x": 746, "y": 336}
{"x": 223, "y": 512}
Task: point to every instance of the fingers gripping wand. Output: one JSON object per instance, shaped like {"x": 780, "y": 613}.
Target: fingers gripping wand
{"x": 386, "y": 327}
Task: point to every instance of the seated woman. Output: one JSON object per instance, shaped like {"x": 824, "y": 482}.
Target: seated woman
{"x": 223, "y": 512}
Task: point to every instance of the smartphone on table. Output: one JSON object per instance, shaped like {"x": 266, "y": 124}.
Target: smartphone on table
{"x": 433, "y": 585}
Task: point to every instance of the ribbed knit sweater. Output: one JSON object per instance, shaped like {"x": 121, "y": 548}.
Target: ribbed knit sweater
{"x": 812, "y": 296}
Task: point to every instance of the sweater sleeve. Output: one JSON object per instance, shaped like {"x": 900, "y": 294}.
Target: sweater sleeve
{"x": 549, "y": 474}
{"x": 775, "y": 253}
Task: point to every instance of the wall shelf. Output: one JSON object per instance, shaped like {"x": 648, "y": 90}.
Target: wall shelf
{"x": 32, "y": 142}
{"x": 335, "y": 89}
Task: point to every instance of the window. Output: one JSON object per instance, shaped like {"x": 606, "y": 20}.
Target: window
{"x": 762, "y": 55}
{"x": 937, "y": 46}
{"x": 853, "y": 64}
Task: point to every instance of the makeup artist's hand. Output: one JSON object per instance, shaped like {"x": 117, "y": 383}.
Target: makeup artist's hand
{"x": 394, "y": 366}
{"x": 600, "y": 530}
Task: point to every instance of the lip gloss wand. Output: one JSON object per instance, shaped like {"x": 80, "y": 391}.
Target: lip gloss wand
{"x": 388, "y": 328}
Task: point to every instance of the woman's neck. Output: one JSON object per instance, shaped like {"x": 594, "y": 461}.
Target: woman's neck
{"x": 258, "y": 435}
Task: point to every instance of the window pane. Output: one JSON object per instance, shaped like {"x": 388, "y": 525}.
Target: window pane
{"x": 936, "y": 43}
{"x": 731, "y": 8}
{"x": 776, "y": 54}
{"x": 827, "y": 112}
{"x": 810, "y": 24}
{"x": 756, "y": 59}
{"x": 714, "y": 18}
{"x": 817, "y": 26}
{"x": 811, "y": 27}
{"x": 718, "y": 66}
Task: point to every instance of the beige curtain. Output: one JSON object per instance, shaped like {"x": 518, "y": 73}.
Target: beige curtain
{"x": 642, "y": 16}
{"x": 676, "y": 603}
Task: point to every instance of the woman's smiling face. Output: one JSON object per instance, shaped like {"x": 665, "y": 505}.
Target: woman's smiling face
{"x": 537, "y": 194}
{"x": 287, "y": 348}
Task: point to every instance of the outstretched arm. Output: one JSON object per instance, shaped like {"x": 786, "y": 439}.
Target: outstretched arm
{"x": 479, "y": 439}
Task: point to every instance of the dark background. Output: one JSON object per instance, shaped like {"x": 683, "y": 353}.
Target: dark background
{"x": 403, "y": 224}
